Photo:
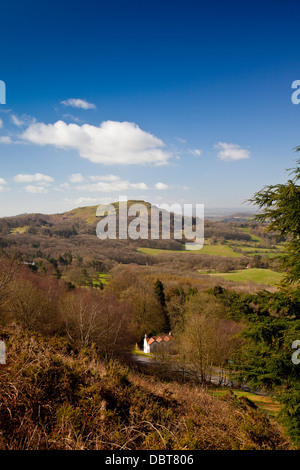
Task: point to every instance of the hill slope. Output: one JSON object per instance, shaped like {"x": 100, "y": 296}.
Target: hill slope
{"x": 59, "y": 402}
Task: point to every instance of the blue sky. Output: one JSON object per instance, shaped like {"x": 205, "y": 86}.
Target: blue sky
{"x": 175, "y": 102}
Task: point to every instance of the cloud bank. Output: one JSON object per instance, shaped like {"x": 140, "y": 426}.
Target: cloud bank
{"x": 111, "y": 185}
{"x": 30, "y": 188}
{"x": 35, "y": 178}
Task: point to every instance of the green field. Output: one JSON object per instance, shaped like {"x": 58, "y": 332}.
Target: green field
{"x": 213, "y": 250}
{"x": 253, "y": 237}
{"x": 251, "y": 250}
{"x": 102, "y": 278}
{"x": 138, "y": 352}
{"x": 20, "y": 229}
{"x": 257, "y": 275}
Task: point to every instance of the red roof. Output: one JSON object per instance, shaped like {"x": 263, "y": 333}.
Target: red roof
{"x": 159, "y": 338}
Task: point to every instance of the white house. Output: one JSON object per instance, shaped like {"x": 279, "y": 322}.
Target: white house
{"x": 2, "y": 353}
{"x": 155, "y": 342}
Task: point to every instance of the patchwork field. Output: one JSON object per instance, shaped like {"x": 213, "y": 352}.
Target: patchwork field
{"x": 213, "y": 250}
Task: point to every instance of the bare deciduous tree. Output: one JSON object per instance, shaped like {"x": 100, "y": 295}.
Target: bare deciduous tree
{"x": 8, "y": 267}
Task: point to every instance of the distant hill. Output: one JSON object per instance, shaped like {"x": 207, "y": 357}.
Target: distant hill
{"x": 229, "y": 215}
{"x": 66, "y": 245}
{"x": 88, "y": 213}
{"x": 238, "y": 217}
{"x": 59, "y": 238}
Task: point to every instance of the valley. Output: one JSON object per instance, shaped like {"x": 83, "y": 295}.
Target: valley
{"x": 84, "y": 305}
{"x": 67, "y": 245}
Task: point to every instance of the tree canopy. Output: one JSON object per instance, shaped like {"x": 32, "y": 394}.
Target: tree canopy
{"x": 280, "y": 207}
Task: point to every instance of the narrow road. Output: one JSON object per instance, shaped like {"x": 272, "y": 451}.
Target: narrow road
{"x": 216, "y": 378}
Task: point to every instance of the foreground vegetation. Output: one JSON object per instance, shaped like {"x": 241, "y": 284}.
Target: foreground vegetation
{"x": 52, "y": 399}
{"x": 69, "y": 382}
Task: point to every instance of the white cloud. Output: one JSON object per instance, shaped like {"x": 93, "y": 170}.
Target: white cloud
{"x": 104, "y": 177}
{"x": 229, "y": 152}
{"x": 35, "y": 178}
{"x": 16, "y": 120}
{"x": 78, "y": 103}
{"x": 63, "y": 186}
{"x": 76, "y": 178}
{"x": 84, "y": 200}
{"x": 71, "y": 117}
{"x": 1, "y": 123}
{"x": 3, "y": 185}
{"x": 30, "y": 188}
{"x": 5, "y": 139}
{"x": 112, "y": 143}
{"x": 25, "y": 119}
{"x": 161, "y": 186}
{"x": 195, "y": 152}
{"x": 111, "y": 186}
{"x": 182, "y": 141}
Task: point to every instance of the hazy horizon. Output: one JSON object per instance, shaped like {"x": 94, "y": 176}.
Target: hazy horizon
{"x": 208, "y": 211}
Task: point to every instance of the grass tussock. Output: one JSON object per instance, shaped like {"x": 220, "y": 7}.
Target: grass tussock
{"x": 51, "y": 398}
